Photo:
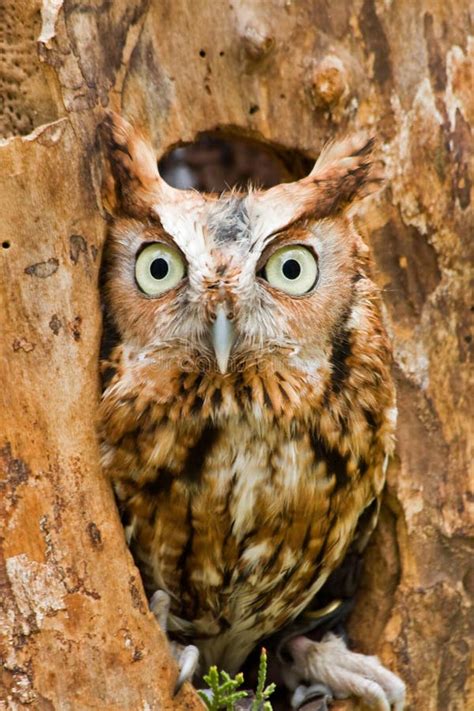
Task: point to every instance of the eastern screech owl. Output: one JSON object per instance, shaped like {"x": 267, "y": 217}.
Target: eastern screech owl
{"x": 249, "y": 409}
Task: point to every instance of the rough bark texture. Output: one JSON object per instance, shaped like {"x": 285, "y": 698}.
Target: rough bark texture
{"x": 75, "y": 630}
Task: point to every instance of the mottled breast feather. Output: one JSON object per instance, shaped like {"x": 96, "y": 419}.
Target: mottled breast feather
{"x": 244, "y": 492}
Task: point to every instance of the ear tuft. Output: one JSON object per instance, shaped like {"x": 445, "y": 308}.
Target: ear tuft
{"x": 344, "y": 172}
{"x": 354, "y": 146}
{"x": 133, "y": 164}
{"x": 139, "y": 188}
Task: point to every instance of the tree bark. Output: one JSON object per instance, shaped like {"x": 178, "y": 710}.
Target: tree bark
{"x": 75, "y": 629}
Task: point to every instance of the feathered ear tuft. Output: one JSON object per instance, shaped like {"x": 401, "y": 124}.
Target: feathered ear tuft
{"x": 350, "y": 147}
{"x": 139, "y": 188}
{"x": 344, "y": 172}
{"x": 134, "y": 173}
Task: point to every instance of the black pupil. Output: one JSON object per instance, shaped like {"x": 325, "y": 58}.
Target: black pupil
{"x": 159, "y": 268}
{"x": 291, "y": 269}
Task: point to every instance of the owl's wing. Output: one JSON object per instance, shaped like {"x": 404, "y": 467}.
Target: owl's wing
{"x": 332, "y": 604}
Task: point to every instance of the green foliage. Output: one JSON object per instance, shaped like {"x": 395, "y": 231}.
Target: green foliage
{"x": 224, "y": 689}
{"x": 261, "y": 703}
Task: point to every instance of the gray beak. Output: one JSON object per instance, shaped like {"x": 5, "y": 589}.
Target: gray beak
{"x": 223, "y": 337}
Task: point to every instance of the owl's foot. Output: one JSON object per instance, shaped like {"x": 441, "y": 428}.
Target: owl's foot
{"x": 187, "y": 657}
{"x": 311, "y": 698}
{"x": 343, "y": 672}
{"x": 160, "y": 606}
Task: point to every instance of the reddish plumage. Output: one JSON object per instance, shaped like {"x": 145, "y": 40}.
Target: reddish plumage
{"x": 244, "y": 490}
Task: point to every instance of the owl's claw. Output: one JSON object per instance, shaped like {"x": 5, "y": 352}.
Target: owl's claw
{"x": 160, "y": 606}
{"x": 345, "y": 673}
{"x": 188, "y": 661}
{"x": 311, "y": 698}
{"x": 186, "y": 657}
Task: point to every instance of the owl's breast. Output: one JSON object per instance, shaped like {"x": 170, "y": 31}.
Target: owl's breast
{"x": 246, "y": 532}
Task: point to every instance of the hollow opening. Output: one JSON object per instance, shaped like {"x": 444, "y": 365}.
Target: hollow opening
{"x": 216, "y": 161}
{"x": 6, "y": 244}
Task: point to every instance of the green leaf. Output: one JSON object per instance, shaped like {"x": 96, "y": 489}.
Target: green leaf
{"x": 224, "y": 689}
{"x": 262, "y": 693}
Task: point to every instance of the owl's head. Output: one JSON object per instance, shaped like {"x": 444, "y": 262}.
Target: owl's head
{"x": 246, "y": 280}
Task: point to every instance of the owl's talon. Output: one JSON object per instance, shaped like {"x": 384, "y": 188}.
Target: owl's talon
{"x": 346, "y": 673}
{"x": 311, "y": 698}
{"x": 188, "y": 661}
{"x": 187, "y": 657}
{"x": 160, "y": 606}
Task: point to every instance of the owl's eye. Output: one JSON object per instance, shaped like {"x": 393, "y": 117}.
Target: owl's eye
{"x": 159, "y": 268}
{"x": 292, "y": 269}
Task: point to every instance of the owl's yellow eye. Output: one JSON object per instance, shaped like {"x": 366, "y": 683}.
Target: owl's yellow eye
{"x": 159, "y": 268}
{"x": 292, "y": 269}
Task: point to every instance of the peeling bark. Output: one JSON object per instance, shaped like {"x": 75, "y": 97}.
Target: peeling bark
{"x": 75, "y": 628}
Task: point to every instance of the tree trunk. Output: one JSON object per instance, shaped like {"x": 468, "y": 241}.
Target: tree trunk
{"x": 76, "y": 631}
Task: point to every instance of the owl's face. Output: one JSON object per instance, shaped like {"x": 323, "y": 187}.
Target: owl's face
{"x": 219, "y": 283}
{"x": 261, "y": 279}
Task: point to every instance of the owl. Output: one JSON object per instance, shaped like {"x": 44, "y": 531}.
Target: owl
{"x": 248, "y": 409}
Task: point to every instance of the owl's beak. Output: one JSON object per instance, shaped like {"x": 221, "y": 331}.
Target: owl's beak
{"x": 223, "y": 337}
